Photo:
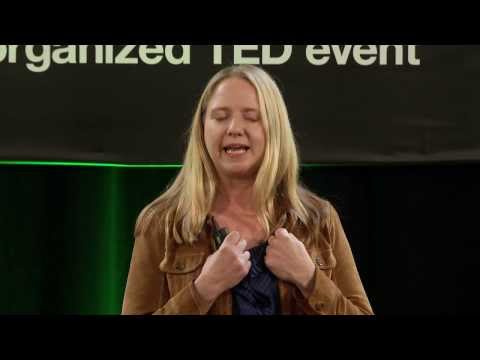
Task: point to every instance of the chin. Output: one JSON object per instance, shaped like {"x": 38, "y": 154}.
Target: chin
{"x": 239, "y": 173}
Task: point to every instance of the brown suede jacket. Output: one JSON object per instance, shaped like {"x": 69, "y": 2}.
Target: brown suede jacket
{"x": 162, "y": 273}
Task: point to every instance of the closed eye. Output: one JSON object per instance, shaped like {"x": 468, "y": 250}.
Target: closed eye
{"x": 251, "y": 115}
{"x": 220, "y": 114}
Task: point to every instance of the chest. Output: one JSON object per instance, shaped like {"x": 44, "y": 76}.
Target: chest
{"x": 248, "y": 226}
{"x": 184, "y": 264}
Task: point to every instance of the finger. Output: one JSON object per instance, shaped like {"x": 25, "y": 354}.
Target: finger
{"x": 268, "y": 261}
{"x": 271, "y": 241}
{"x": 245, "y": 256}
{"x": 282, "y": 233}
{"x": 232, "y": 238}
{"x": 270, "y": 252}
{"x": 242, "y": 245}
{"x": 293, "y": 237}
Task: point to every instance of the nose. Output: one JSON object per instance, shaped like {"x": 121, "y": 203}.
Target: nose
{"x": 235, "y": 128}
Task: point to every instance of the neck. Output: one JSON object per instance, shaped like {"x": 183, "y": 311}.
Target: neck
{"x": 235, "y": 195}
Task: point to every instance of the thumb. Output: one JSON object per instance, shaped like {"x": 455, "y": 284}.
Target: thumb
{"x": 232, "y": 238}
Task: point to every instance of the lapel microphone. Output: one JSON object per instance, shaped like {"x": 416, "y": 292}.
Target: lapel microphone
{"x": 219, "y": 235}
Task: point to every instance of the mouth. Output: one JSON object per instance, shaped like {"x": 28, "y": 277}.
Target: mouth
{"x": 236, "y": 149}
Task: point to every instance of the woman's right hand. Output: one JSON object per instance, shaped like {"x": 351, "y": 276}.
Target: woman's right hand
{"x": 224, "y": 269}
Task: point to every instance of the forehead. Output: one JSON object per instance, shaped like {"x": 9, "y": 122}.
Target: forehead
{"x": 234, "y": 93}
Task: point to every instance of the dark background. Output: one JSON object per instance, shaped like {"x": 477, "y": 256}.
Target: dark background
{"x": 395, "y": 149}
{"x": 67, "y": 234}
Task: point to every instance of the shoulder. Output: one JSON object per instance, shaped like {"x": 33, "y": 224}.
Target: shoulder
{"x": 318, "y": 208}
{"x": 150, "y": 221}
{"x": 150, "y": 245}
{"x": 325, "y": 221}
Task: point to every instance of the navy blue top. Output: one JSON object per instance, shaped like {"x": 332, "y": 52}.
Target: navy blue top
{"x": 257, "y": 293}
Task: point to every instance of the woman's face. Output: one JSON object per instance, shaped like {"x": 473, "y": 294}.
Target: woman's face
{"x": 234, "y": 134}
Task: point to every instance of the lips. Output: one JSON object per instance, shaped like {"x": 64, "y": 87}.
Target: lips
{"x": 236, "y": 149}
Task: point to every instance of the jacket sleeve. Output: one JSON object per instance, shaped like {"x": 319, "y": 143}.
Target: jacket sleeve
{"x": 147, "y": 290}
{"x": 343, "y": 293}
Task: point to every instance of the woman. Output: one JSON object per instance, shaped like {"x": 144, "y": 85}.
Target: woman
{"x": 286, "y": 253}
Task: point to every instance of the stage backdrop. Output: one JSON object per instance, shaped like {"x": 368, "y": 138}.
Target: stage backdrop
{"x": 68, "y": 230}
{"x": 133, "y": 103}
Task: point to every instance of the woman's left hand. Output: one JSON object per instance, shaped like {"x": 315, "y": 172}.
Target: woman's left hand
{"x": 289, "y": 260}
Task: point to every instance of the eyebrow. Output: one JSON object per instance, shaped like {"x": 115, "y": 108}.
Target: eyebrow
{"x": 220, "y": 109}
{"x": 228, "y": 109}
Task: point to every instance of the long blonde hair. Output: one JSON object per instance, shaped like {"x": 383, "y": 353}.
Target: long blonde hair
{"x": 181, "y": 211}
